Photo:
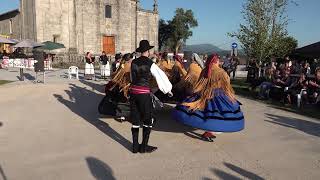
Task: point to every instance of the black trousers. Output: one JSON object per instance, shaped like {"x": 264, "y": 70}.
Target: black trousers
{"x": 141, "y": 110}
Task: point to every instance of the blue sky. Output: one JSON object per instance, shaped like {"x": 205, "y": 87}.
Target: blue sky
{"x": 218, "y": 17}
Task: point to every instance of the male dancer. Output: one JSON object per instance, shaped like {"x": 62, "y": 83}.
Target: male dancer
{"x": 142, "y": 69}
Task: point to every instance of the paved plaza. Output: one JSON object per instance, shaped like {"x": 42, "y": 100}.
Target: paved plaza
{"x": 53, "y": 131}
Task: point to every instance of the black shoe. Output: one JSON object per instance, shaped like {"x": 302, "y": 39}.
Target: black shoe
{"x": 145, "y": 148}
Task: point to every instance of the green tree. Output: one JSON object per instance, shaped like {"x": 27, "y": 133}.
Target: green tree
{"x": 286, "y": 46}
{"x": 264, "y": 32}
{"x": 165, "y": 30}
{"x": 181, "y": 25}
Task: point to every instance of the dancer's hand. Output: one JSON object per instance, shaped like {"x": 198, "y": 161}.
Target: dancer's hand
{"x": 170, "y": 94}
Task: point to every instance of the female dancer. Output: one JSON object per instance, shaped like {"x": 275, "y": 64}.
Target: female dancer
{"x": 116, "y": 101}
{"x": 89, "y": 68}
{"x": 213, "y": 106}
{"x": 186, "y": 85}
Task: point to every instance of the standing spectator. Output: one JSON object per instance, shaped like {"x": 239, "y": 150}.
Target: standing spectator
{"x": 227, "y": 63}
{"x": 234, "y": 65}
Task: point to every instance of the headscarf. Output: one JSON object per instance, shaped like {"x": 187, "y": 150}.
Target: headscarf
{"x": 179, "y": 59}
{"x": 196, "y": 58}
{"x": 212, "y": 60}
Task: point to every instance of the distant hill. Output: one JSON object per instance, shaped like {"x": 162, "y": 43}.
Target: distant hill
{"x": 203, "y": 48}
{"x": 209, "y": 48}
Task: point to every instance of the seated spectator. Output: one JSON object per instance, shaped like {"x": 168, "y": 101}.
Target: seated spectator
{"x": 266, "y": 85}
{"x": 306, "y": 68}
{"x": 314, "y": 87}
{"x": 298, "y": 86}
{"x": 253, "y": 69}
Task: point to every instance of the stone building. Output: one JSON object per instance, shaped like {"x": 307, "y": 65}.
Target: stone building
{"x": 84, "y": 25}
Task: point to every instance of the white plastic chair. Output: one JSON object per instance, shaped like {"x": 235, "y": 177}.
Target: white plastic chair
{"x": 73, "y": 70}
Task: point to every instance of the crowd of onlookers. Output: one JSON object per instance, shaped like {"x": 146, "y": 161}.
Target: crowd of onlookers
{"x": 286, "y": 80}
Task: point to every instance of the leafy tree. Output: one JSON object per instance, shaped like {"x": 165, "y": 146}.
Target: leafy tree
{"x": 265, "y": 30}
{"x": 286, "y": 46}
{"x": 181, "y": 24}
{"x": 165, "y": 30}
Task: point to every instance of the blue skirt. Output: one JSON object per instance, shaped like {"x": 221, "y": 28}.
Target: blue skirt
{"x": 219, "y": 115}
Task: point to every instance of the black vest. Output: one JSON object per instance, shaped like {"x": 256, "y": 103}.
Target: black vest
{"x": 140, "y": 71}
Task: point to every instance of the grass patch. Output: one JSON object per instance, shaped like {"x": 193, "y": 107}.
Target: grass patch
{"x": 2, "y": 82}
{"x": 243, "y": 89}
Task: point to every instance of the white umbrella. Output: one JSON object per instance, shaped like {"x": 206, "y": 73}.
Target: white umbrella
{"x": 6, "y": 41}
{"x": 28, "y": 44}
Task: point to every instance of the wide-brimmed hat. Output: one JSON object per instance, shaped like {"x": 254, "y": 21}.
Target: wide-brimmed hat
{"x": 144, "y": 46}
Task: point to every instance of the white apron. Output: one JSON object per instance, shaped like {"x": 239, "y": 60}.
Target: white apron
{"x": 89, "y": 69}
{"x": 105, "y": 70}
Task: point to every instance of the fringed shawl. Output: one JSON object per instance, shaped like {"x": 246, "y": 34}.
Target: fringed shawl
{"x": 122, "y": 78}
{"x": 191, "y": 79}
{"x": 206, "y": 86}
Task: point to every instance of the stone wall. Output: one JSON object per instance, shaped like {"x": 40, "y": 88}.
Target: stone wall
{"x": 148, "y": 23}
{"x": 81, "y": 24}
{"x": 28, "y": 19}
{"x": 14, "y": 16}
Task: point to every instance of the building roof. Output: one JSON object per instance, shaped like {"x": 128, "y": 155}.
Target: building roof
{"x": 312, "y": 50}
{"x": 9, "y": 14}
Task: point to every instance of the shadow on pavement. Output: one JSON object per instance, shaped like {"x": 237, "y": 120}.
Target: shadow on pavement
{"x": 194, "y": 135}
{"x": 95, "y": 86}
{"x": 243, "y": 173}
{"x": 99, "y": 169}
{"x": 84, "y": 103}
{"x": 2, "y": 174}
{"x": 165, "y": 123}
{"x": 305, "y": 126}
{"x": 29, "y": 76}
{"x": 0, "y": 124}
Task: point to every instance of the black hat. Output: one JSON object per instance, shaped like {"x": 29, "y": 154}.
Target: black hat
{"x": 144, "y": 46}
{"x": 118, "y": 56}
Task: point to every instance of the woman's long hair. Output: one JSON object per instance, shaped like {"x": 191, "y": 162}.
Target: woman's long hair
{"x": 212, "y": 77}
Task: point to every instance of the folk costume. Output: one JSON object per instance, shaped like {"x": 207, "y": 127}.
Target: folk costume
{"x": 116, "y": 101}
{"x": 213, "y": 106}
{"x": 186, "y": 85}
{"x": 166, "y": 65}
{"x": 179, "y": 72}
{"x": 104, "y": 65}
{"x": 142, "y": 69}
{"x": 89, "y": 68}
